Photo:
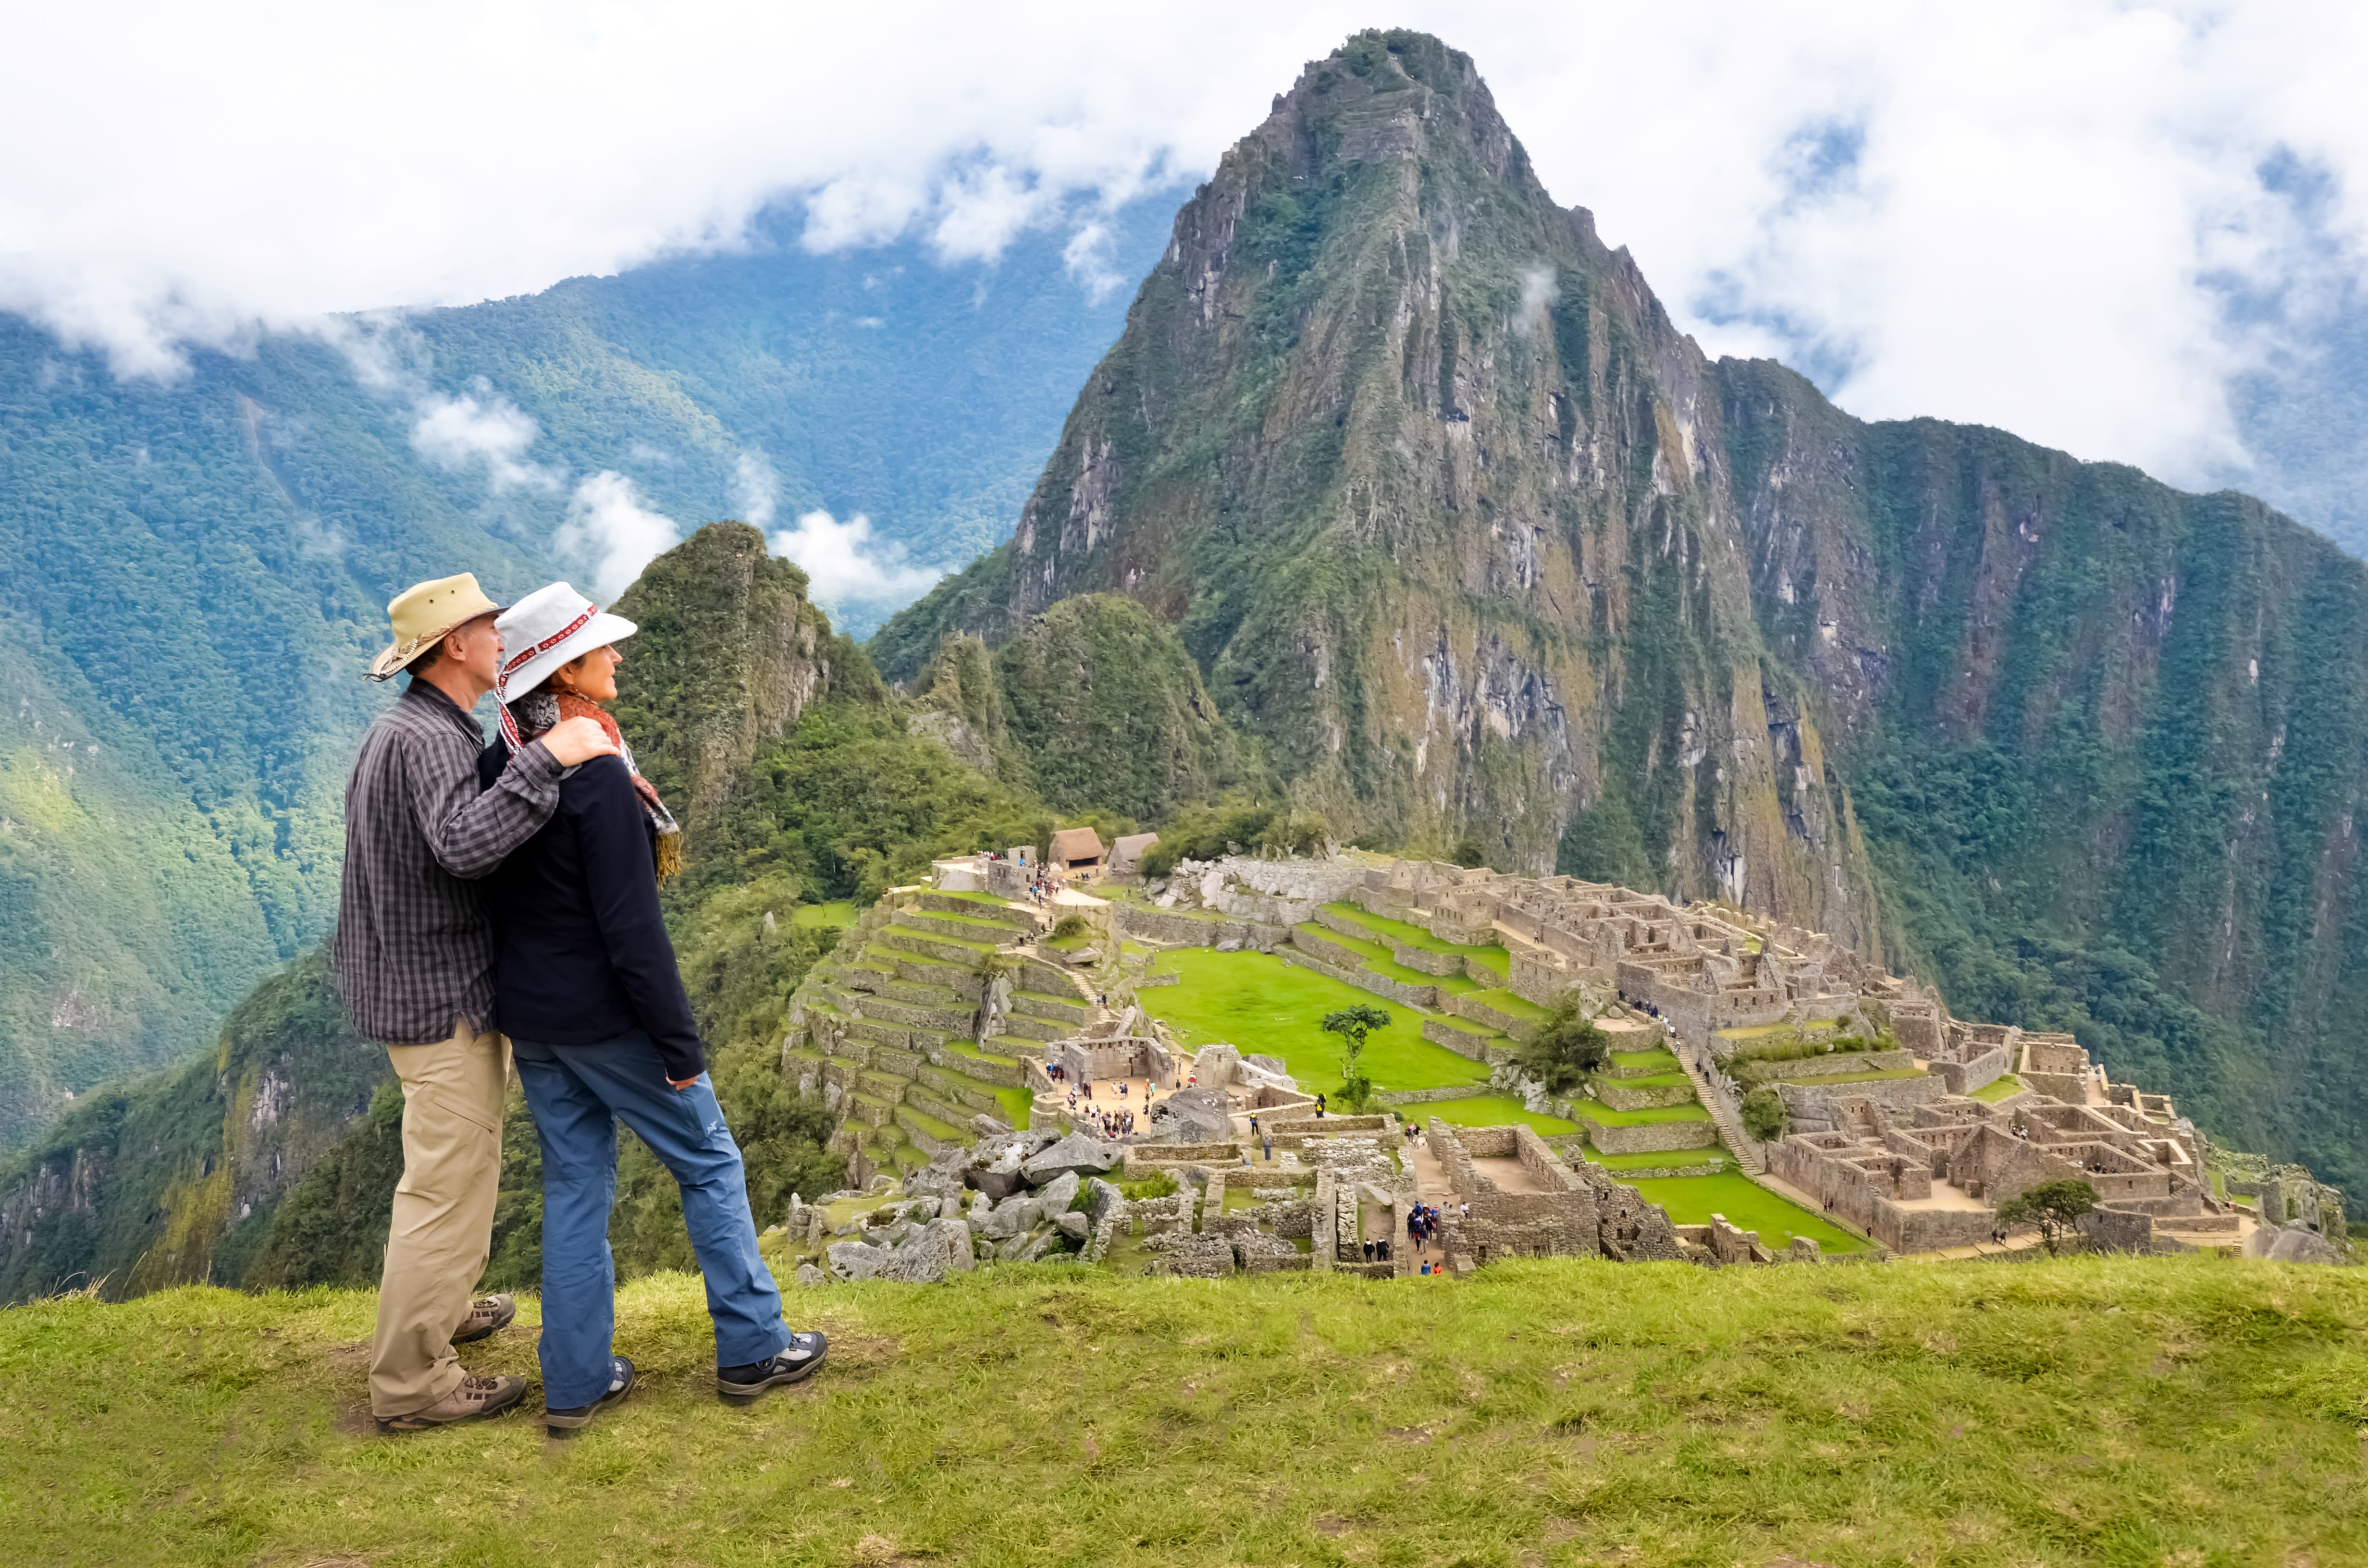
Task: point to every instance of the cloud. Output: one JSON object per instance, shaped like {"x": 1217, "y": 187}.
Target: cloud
{"x": 1540, "y": 294}
{"x": 756, "y": 488}
{"x": 485, "y": 428}
{"x": 2051, "y": 215}
{"x": 847, "y": 569}
{"x": 611, "y": 533}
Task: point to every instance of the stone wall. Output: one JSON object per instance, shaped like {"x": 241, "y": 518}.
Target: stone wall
{"x": 1965, "y": 1077}
{"x": 1650, "y": 1138}
{"x": 1181, "y": 930}
{"x": 1464, "y": 1043}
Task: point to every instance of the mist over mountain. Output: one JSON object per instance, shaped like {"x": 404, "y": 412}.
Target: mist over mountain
{"x": 193, "y": 572}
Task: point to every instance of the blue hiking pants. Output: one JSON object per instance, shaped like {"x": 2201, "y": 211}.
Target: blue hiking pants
{"x": 578, "y": 1094}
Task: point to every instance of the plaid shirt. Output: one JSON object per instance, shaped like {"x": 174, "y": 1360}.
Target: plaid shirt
{"x": 414, "y": 951}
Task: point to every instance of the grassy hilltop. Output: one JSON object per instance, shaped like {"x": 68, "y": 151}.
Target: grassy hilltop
{"x": 2089, "y": 1410}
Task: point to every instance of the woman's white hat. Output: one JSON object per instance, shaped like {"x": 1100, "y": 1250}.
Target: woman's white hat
{"x": 547, "y": 629}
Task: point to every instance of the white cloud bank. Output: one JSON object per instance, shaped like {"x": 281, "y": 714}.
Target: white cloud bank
{"x": 847, "y": 569}
{"x": 612, "y": 533}
{"x": 2033, "y": 213}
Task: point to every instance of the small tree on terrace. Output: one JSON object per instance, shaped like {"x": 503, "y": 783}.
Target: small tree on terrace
{"x": 1353, "y": 1024}
{"x": 1567, "y": 1047}
{"x": 1763, "y": 1114}
{"x": 2055, "y": 1207}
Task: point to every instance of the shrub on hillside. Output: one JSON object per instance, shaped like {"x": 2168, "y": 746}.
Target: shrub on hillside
{"x": 1567, "y": 1048}
{"x": 1763, "y": 1114}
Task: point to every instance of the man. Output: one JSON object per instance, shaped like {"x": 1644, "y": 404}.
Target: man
{"x": 414, "y": 957}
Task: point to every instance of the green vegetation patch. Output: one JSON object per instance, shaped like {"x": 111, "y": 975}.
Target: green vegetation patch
{"x": 1490, "y": 1110}
{"x": 1749, "y": 1206}
{"x": 2017, "y": 1419}
{"x": 1643, "y": 1059}
{"x": 1997, "y": 1089}
{"x": 1263, "y": 1006}
{"x": 817, "y": 917}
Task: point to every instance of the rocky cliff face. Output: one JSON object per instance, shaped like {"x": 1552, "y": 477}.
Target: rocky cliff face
{"x": 173, "y": 1179}
{"x": 1093, "y": 704}
{"x": 729, "y": 654}
{"x": 1477, "y": 543}
{"x": 1433, "y": 490}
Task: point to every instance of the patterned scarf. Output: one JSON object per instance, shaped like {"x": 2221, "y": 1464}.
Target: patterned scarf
{"x": 540, "y": 708}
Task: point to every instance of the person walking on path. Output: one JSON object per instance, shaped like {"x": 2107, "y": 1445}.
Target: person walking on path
{"x": 587, "y": 987}
{"x": 413, "y": 956}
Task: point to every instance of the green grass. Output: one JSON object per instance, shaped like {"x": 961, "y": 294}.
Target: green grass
{"x": 973, "y": 895}
{"x": 1491, "y": 956}
{"x": 1691, "y": 1200}
{"x": 1261, "y": 1005}
{"x": 1017, "y": 1103}
{"x": 1997, "y": 1089}
{"x": 816, "y": 915}
{"x": 1488, "y": 1110}
{"x": 1558, "y": 1412}
{"x": 1603, "y": 1115}
{"x": 1643, "y": 1059}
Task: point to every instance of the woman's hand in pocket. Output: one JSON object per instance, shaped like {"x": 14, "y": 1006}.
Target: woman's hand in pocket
{"x": 682, "y": 1084}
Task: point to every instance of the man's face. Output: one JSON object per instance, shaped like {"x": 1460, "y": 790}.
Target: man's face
{"x": 476, "y": 647}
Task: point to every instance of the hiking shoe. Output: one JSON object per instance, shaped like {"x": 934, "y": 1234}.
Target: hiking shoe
{"x": 488, "y": 1315}
{"x": 621, "y": 1383}
{"x": 794, "y": 1362}
{"x": 475, "y": 1397}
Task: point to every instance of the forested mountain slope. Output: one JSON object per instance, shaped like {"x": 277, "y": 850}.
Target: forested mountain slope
{"x": 1472, "y": 539}
{"x": 192, "y": 573}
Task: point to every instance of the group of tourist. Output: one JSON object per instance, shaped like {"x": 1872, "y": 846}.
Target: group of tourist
{"x": 1422, "y": 1224}
{"x": 499, "y": 906}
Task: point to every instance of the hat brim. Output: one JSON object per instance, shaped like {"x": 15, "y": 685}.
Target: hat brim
{"x": 393, "y": 660}
{"x": 598, "y": 632}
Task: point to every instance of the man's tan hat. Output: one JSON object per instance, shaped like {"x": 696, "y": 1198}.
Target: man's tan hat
{"x": 423, "y": 614}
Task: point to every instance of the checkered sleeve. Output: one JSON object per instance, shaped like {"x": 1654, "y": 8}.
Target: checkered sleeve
{"x": 471, "y": 833}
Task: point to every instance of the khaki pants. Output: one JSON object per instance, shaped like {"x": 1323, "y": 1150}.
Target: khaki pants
{"x": 443, "y": 1224}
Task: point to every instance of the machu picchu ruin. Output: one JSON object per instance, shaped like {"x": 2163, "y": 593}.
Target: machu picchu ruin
{"x": 1030, "y": 1063}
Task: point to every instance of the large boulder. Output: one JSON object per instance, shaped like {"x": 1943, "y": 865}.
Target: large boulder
{"x": 998, "y": 1172}
{"x": 809, "y": 1275}
{"x": 1055, "y": 1196}
{"x": 1216, "y": 1065}
{"x": 1007, "y": 1217}
{"x": 1195, "y": 1115}
{"x": 930, "y": 1253}
{"x": 2295, "y": 1244}
{"x": 856, "y": 1260}
{"x": 1101, "y": 1198}
{"x": 1273, "y": 1064}
{"x": 1073, "y": 1226}
{"x": 1077, "y": 1153}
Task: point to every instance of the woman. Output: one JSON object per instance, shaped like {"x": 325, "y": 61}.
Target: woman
{"x": 585, "y": 988}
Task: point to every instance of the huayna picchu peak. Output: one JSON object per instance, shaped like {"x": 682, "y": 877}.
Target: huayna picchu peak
{"x": 1475, "y": 544}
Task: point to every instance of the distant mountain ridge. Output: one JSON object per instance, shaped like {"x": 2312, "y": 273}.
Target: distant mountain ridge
{"x": 192, "y": 574}
{"x": 1475, "y": 543}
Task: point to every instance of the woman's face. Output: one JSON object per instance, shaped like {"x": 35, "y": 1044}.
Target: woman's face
{"x": 593, "y": 676}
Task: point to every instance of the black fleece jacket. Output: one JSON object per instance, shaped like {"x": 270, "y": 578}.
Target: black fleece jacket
{"x": 580, "y": 954}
